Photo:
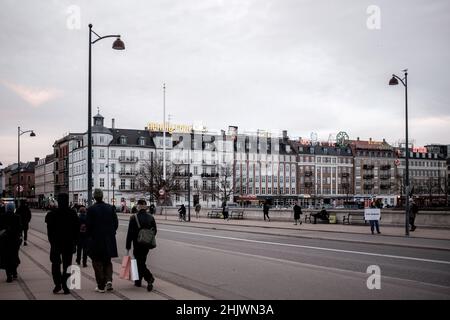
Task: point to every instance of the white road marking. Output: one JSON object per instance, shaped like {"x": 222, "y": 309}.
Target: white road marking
{"x": 311, "y": 247}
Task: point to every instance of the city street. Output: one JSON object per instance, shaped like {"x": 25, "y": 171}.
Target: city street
{"x": 201, "y": 261}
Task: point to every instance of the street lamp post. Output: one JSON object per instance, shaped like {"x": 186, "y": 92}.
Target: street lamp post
{"x": 394, "y": 81}
{"x": 19, "y": 133}
{"x": 117, "y": 45}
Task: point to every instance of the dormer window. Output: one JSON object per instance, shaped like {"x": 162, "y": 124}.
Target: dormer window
{"x": 141, "y": 141}
{"x": 123, "y": 140}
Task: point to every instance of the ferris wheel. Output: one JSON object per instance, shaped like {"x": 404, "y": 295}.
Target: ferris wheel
{"x": 341, "y": 138}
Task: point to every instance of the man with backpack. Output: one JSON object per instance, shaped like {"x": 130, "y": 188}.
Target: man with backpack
{"x": 141, "y": 232}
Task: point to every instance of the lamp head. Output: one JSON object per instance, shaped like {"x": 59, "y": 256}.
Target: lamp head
{"x": 393, "y": 81}
{"x": 118, "y": 44}
{"x": 32, "y": 134}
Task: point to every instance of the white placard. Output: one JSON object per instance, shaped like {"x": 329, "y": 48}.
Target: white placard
{"x": 372, "y": 214}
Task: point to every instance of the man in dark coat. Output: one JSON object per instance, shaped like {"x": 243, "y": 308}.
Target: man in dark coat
{"x": 412, "y": 214}
{"x": 10, "y": 240}
{"x": 297, "y": 213}
{"x": 182, "y": 212}
{"x": 140, "y": 252}
{"x": 266, "y": 210}
{"x": 25, "y": 215}
{"x": 62, "y": 232}
{"x": 102, "y": 224}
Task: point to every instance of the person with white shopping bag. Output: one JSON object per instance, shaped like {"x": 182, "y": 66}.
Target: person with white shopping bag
{"x": 141, "y": 233}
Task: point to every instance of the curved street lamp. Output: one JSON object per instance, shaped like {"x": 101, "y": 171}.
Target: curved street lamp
{"x": 19, "y": 133}
{"x": 117, "y": 45}
{"x": 393, "y": 82}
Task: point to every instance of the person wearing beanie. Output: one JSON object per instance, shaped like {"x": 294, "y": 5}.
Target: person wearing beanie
{"x": 101, "y": 227}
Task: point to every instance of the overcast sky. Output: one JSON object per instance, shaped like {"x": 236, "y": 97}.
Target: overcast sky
{"x": 304, "y": 66}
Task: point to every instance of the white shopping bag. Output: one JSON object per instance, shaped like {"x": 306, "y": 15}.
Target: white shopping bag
{"x": 134, "y": 270}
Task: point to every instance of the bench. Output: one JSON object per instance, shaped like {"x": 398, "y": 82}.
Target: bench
{"x": 236, "y": 214}
{"x": 215, "y": 213}
{"x": 354, "y": 218}
{"x": 309, "y": 217}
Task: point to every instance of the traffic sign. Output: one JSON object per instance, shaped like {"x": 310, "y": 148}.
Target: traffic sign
{"x": 161, "y": 192}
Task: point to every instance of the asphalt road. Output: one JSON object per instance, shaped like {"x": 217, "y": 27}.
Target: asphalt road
{"x": 225, "y": 264}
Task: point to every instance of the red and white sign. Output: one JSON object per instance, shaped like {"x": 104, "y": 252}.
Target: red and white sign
{"x": 161, "y": 192}
{"x": 397, "y": 162}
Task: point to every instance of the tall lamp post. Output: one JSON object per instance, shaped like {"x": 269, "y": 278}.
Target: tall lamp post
{"x": 19, "y": 133}
{"x": 117, "y": 45}
{"x": 393, "y": 82}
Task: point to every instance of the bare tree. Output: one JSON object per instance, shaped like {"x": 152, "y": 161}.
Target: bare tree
{"x": 150, "y": 179}
{"x": 224, "y": 187}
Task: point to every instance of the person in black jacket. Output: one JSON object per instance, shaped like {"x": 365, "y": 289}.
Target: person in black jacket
{"x": 182, "y": 212}
{"x": 10, "y": 240}
{"x": 82, "y": 237}
{"x": 140, "y": 252}
{"x": 266, "y": 210}
{"x": 62, "y": 232}
{"x": 25, "y": 215}
{"x": 101, "y": 227}
{"x": 297, "y": 213}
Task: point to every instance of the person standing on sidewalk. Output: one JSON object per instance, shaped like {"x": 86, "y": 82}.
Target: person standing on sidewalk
{"x": 198, "y": 207}
{"x": 266, "y": 210}
{"x": 101, "y": 227}
{"x": 141, "y": 220}
{"x": 182, "y": 212}
{"x": 412, "y": 214}
{"x": 297, "y": 213}
{"x": 10, "y": 240}
{"x": 25, "y": 216}
{"x": 62, "y": 232}
{"x": 82, "y": 238}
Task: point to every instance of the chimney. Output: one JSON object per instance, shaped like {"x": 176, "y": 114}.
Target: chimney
{"x": 357, "y": 139}
{"x": 285, "y": 135}
{"x": 370, "y": 139}
{"x": 384, "y": 140}
{"x": 113, "y": 123}
{"x": 36, "y": 159}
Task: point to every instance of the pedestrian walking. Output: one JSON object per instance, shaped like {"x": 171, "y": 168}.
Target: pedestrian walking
{"x": 297, "y": 213}
{"x": 182, "y": 212}
{"x": 141, "y": 220}
{"x": 266, "y": 210}
{"x": 62, "y": 231}
{"x": 413, "y": 210}
{"x": 152, "y": 209}
{"x": 374, "y": 224}
{"x": 25, "y": 217}
{"x": 102, "y": 224}
{"x": 198, "y": 207}
{"x": 225, "y": 211}
{"x": 10, "y": 241}
{"x": 82, "y": 238}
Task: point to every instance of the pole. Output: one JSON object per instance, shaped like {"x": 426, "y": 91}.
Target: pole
{"x": 114, "y": 185}
{"x": 407, "y": 157}
{"x": 189, "y": 180}
{"x": 18, "y": 165}
{"x": 164, "y": 132}
{"x": 151, "y": 178}
{"x": 89, "y": 150}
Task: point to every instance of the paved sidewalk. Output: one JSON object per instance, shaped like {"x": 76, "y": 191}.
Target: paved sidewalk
{"x": 35, "y": 280}
{"x": 429, "y": 238}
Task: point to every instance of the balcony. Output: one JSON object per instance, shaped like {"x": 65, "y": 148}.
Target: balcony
{"x": 308, "y": 184}
{"x": 385, "y": 186}
{"x": 181, "y": 175}
{"x": 210, "y": 175}
{"x": 308, "y": 173}
{"x": 368, "y": 186}
{"x": 345, "y": 185}
{"x": 209, "y": 163}
{"x": 345, "y": 174}
{"x": 385, "y": 176}
{"x": 368, "y": 167}
{"x": 385, "y": 167}
{"x": 368, "y": 176}
{"x": 128, "y": 159}
{"x": 127, "y": 173}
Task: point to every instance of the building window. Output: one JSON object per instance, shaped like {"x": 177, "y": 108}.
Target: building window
{"x": 256, "y": 190}
{"x": 293, "y": 191}
{"x": 102, "y": 182}
{"x": 122, "y": 184}
{"x": 177, "y": 197}
{"x": 205, "y": 197}
{"x": 196, "y": 170}
{"x": 269, "y": 190}
{"x": 102, "y": 139}
{"x": 196, "y": 184}
{"x": 123, "y": 140}
{"x": 102, "y": 168}
{"x": 122, "y": 153}
{"x": 213, "y": 197}
{"x": 263, "y": 190}
{"x": 113, "y": 182}
{"x": 142, "y": 141}
{"x": 204, "y": 185}
{"x": 132, "y": 184}
{"x": 113, "y": 154}
{"x": 141, "y": 154}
